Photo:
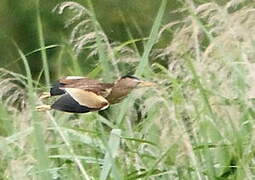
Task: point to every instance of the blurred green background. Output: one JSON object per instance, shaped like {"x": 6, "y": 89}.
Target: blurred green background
{"x": 117, "y": 17}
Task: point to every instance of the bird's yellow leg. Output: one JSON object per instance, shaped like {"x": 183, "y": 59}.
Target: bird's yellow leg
{"x": 43, "y": 108}
{"x": 45, "y": 95}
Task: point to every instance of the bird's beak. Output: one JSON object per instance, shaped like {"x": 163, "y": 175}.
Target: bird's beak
{"x": 146, "y": 84}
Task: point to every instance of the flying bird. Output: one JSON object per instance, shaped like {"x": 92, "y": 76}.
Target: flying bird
{"x": 82, "y": 94}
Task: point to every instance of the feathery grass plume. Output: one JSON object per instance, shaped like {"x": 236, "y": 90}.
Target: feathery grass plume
{"x": 12, "y": 90}
{"x": 219, "y": 40}
{"x": 224, "y": 32}
{"x": 15, "y": 148}
{"x": 211, "y": 61}
{"x": 83, "y": 33}
{"x": 124, "y": 53}
{"x": 88, "y": 34}
{"x": 85, "y": 36}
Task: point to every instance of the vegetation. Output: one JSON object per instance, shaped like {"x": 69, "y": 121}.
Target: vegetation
{"x": 196, "y": 124}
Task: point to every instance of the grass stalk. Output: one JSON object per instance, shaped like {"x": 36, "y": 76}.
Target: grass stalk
{"x": 111, "y": 150}
{"x": 39, "y": 145}
{"x": 103, "y": 58}
{"x": 144, "y": 62}
{"x": 42, "y": 45}
{"x": 69, "y": 146}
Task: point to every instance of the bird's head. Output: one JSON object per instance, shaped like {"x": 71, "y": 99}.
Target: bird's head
{"x": 132, "y": 82}
{"x": 124, "y": 86}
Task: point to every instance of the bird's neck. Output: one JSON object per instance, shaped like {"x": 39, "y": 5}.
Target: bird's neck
{"x": 117, "y": 94}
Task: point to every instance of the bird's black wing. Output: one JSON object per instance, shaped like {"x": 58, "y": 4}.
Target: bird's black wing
{"x": 67, "y": 104}
{"x": 87, "y": 98}
{"x": 80, "y": 101}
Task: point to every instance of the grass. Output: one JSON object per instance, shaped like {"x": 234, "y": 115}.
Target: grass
{"x": 42, "y": 45}
{"x": 197, "y": 124}
{"x": 39, "y": 145}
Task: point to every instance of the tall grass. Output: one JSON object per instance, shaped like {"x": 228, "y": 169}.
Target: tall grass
{"x": 198, "y": 123}
{"x": 42, "y": 44}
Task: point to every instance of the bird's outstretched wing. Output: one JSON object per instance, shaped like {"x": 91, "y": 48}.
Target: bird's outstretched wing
{"x": 67, "y": 104}
{"x": 82, "y": 83}
{"x": 80, "y": 101}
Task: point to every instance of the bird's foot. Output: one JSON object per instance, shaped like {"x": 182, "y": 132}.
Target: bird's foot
{"x": 43, "y": 108}
{"x": 45, "y": 95}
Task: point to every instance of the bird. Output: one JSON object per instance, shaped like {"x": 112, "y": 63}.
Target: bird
{"x": 82, "y": 94}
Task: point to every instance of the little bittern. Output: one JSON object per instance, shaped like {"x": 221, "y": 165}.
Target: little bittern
{"x": 82, "y": 94}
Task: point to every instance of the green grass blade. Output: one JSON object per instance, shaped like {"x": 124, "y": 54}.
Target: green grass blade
{"x": 152, "y": 39}
{"x": 39, "y": 145}
{"x": 145, "y": 58}
{"x": 69, "y": 147}
{"x": 28, "y": 72}
{"x": 42, "y": 45}
{"x": 103, "y": 57}
{"x": 112, "y": 149}
{"x": 76, "y": 68}
{"x": 31, "y": 53}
